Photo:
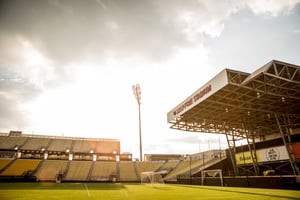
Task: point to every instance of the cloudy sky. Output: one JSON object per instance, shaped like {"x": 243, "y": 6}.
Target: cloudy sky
{"x": 67, "y": 67}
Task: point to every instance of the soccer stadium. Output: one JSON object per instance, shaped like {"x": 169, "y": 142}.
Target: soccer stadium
{"x": 259, "y": 113}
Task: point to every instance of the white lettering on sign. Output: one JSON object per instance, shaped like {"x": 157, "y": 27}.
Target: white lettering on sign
{"x": 193, "y": 99}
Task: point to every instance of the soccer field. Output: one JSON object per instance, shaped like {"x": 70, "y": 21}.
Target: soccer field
{"x": 111, "y": 191}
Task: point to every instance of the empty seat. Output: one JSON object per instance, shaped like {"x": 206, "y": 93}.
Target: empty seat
{"x": 20, "y": 166}
{"x": 50, "y": 168}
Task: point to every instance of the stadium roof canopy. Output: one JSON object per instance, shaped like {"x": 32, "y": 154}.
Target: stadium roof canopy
{"x": 242, "y": 102}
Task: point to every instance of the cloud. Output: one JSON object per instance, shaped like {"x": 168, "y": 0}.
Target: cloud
{"x": 203, "y": 138}
{"x": 21, "y": 80}
{"x": 78, "y": 30}
{"x": 72, "y": 30}
{"x": 14, "y": 94}
{"x": 251, "y": 40}
{"x": 43, "y": 43}
{"x": 272, "y": 7}
{"x": 296, "y": 31}
{"x": 196, "y": 18}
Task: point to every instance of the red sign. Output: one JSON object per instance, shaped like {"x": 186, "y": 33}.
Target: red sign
{"x": 296, "y": 148}
{"x": 193, "y": 99}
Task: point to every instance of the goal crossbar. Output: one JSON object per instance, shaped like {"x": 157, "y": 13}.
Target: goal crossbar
{"x": 214, "y": 173}
{"x": 151, "y": 177}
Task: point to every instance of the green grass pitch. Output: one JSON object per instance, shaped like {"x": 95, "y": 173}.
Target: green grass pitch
{"x": 118, "y": 191}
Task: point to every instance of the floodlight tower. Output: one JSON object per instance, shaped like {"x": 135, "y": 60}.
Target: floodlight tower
{"x": 137, "y": 93}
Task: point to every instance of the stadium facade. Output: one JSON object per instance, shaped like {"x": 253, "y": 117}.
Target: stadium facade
{"x": 30, "y": 157}
{"x": 260, "y": 110}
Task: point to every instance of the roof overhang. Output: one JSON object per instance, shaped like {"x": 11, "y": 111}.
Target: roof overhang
{"x": 241, "y": 101}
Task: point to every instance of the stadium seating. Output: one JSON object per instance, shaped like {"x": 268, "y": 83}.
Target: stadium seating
{"x": 148, "y": 166}
{"x": 190, "y": 167}
{"x": 78, "y": 171}
{"x": 107, "y": 146}
{"x": 127, "y": 171}
{"x": 50, "y": 168}
{"x": 59, "y": 145}
{"x": 7, "y": 142}
{"x": 83, "y": 146}
{"x": 4, "y": 163}
{"x": 20, "y": 166}
{"x": 46, "y": 158}
{"x": 102, "y": 170}
{"x": 36, "y": 143}
{"x": 181, "y": 167}
{"x": 169, "y": 165}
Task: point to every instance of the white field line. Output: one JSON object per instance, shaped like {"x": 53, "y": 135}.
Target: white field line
{"x": 87, "y": 190}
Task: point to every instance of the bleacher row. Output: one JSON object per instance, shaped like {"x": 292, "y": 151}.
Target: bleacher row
{"x": 48, "y": 170}
{"x": 58, "y": 144}
{"x": 53, "y": 158}
{"x": 123, "y": 171}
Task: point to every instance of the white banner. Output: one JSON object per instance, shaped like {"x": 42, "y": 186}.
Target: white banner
{"x": 272, "y": 154}
{"x": 214, "y": 85}
{"x": 263, "y": 155}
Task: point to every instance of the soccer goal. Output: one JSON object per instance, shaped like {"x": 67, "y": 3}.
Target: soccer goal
{"x": 153, "y": 178}
{"x": 214, "y": 173}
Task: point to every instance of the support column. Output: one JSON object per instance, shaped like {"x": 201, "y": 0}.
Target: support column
{"x": 252, "y": 150}
{"x": 231, "y": 148}
{"x": 286, "y": 137}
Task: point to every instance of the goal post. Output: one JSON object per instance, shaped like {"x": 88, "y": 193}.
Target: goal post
{"x": 152, "y": 178}
{"x": 214, "y": 173}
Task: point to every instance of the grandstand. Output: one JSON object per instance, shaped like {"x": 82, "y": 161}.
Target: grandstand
{"x": 39, "y": 146}
{"x": 259, "y": 113}
{"x": 45, "y": 158}
{"x": 26, "y": 157}
{"x": 191, "y": 167}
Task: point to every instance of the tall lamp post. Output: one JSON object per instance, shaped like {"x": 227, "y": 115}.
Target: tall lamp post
{"x": 137, "y": 93}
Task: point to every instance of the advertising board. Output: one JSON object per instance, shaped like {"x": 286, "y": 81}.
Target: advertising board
{"x": 277, "y": 153}
{"x": 218, "y": 82}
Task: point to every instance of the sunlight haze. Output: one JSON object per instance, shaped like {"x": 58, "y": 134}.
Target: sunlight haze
{"x": 67, "y": 67}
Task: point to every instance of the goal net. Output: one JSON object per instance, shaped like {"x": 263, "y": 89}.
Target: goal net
{"x": 153, "y": 178}
{"x": 214, "y": 174}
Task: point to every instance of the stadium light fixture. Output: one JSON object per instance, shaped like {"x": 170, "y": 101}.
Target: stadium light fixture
{"x": 258, "y": 95}
{"x": 137, "y": 93}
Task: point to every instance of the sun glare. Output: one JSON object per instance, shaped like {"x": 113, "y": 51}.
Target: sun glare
{"x": 32, "y": 55}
